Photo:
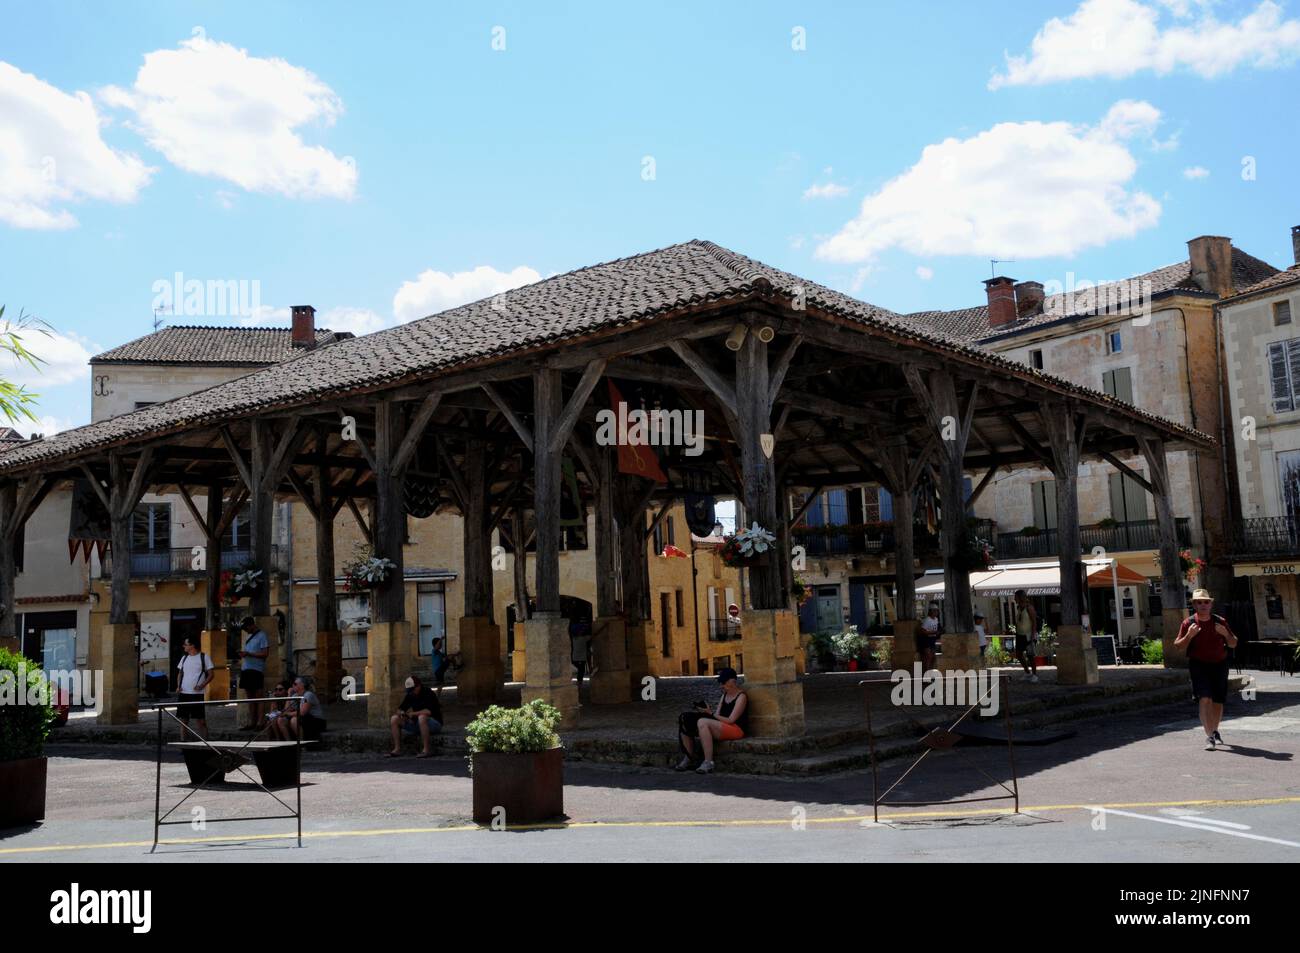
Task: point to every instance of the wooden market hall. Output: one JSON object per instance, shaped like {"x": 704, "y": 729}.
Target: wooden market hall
{"x": 800, "y": 387}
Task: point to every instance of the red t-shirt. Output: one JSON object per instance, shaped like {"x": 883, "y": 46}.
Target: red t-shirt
{"x": 1207, "y": 645}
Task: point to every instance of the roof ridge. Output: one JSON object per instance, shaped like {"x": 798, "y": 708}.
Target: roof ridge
{"x": 743, "y": 267}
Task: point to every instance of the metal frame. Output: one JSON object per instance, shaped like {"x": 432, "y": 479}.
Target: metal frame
{"x": 160, "y": 820}
{"x": 1013, "y": 792}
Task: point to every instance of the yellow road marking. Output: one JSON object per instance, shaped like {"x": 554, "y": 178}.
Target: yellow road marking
{"x": 733, "y": 822}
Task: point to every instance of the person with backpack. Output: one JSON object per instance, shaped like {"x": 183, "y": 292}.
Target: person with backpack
{"x": 195, "y": 672}
{"x": 1207, "y": 639}
{"x": 728, "y": 721}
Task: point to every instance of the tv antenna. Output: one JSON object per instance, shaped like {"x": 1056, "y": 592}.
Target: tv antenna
{"x": 994, "y": 262}
{"x": 158, "y": 322}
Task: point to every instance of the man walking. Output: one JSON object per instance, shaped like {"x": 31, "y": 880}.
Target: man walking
{"x": 1207, "y": 639}
{"x": 1026, "y": 634}
{"x": 194, "y": 673}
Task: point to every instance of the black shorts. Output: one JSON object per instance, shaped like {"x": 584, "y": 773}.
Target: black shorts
{"x": 191, "y": 706}
{"x": 925, "y": 643}
{"x": 251, "y": 680}
{"x": 1022, "y": 644}
{"x": 312, "y": 727}
{"x": 1209, "y": 679}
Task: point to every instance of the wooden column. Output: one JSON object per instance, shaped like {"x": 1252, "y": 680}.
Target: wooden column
{"x": 936, "y": 394}
{"x": 212, "y": 567}
{"x": 901, "y": 468}
{"x": 213, "y": 521}
{"x": 1076, "y": 660}
{"x": 631, "y": 495}
{"x": 612, "y": 682}
{"x": 754, "y": 420}
{"x": 518, "y": 658}
{"x": 480, "y": 638}
{"x": 1173, "y": 593}
{"x": 261, "y": 517}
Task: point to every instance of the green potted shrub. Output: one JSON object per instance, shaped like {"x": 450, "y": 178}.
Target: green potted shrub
{"x": 1046, "y": 646}
{"x": 851, "y": 646}
{"x": 25, "y": 719}
{"x": 1153, "y": 652}
{"x": 517, "y": 764}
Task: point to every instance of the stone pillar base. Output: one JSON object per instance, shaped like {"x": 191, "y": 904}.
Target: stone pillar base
{"x": 329, "y": 664}
{"x": 212, "y": 642}
{"x": 961, "y": 652}
{"x": 770, "y": 641}
{"x": 801, "y": 657}
{"x": 391, "y": 658}
{"x": 639, "y": 666}
{"x": 611, "y": 685}
{"x": 519, "y": 657}
{"x": 1076, "y": 659}
{"x": 1173, "y": 621}
{"x": 121, "y": 661}
{"x": 549, "y": 674}
{"x": 904, "y": 654}
{"x": 480, "y": 650}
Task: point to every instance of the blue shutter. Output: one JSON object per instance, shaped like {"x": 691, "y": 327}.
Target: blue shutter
{"x": 886, "y": 506}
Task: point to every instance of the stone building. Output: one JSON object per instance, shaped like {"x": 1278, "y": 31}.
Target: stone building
{"x": 1260, "y": 326}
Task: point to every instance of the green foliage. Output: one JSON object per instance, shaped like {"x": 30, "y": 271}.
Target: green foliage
{"x": 882, "y": 652}
{"x": 23, "y": 727}
{"x": 995, "y": 654}
{"x": 1153, "y": 652}
{"x": 529, "y": 728}
{"x": 17, "y": 401}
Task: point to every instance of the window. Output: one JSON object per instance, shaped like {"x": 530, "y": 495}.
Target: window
{"x": 1281, "y": 312}
{"x": 238, "y": 534}
{"x": 1114, "y": 343}
{"x": 1044, "y": 500}
{"x": 151, "y": 527}
{"x": 1036, "y": 359}
{"x": 681, "y": 610}
{"x": 1284, "y": 373}
{"x": 1128, "y": 501}
{"x": 1118, "y": 383}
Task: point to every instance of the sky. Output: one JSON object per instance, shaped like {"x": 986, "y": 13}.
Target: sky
{"x": 385, "y": 162}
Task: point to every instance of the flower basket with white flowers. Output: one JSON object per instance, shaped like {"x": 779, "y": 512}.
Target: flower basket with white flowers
{"x": 366, "y": 570}
{"x": 747, "y": 547}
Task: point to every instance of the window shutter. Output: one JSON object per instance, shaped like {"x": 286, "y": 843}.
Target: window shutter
{"x": 1293, "y": 366}
{"x": 1049, "y": 503}
{"x": 886, "y": 506}
{"x": 1108, "y": 383}
{"x": 1280, "y": 376}
{"x": 1124, "y": 384}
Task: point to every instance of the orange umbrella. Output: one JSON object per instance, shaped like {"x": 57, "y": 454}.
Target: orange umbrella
{"x": 1102, "y": 578}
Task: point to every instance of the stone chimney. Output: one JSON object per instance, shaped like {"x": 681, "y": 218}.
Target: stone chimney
{"x": 1002, "y": 300}
{"x": 1212, "y": 264}
{"x": 1295, "y": 243}
{"x": 304, "y": 326}
{"x": 1029, "y": 299}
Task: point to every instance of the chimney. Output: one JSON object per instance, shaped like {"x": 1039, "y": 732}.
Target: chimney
{"x": 304, "y": 326}
{"x": 1295, "y": 243}
{"x": 1002, "y": 300}
{"x": 1212, "y": 264}
{"x": 1029, "y": 299}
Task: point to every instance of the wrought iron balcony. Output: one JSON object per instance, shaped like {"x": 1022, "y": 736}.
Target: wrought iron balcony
{"x": 1121, "y": 537}
{"x": 179, "y": 563}
{"x": 724, "y": 630}
{"x": 861, "y": 539}
{"x": 1267, "y": 536}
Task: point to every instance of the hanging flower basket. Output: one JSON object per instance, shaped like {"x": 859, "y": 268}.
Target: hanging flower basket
{"x": 240, "y": 584}
{"x": 366, "y": 571}
{"x": 747, "y": 547}
{"x": 1190, "y": 566}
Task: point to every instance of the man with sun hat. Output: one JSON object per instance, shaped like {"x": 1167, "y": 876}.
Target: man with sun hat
{"x": 1207, "y": 639}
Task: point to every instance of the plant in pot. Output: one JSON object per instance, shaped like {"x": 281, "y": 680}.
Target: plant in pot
{"x": 747, "y": 547}
{"x": 517, "y": 764}
{"x": 1046, "y": 646}
{"x": 25, "y": 718}
{"x": 851, "y": 646}
{"x": 364, "y": 571}
{"x": 822, "y": 648}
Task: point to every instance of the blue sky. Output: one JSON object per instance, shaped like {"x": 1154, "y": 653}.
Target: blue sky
{"x": 385, "y": 162}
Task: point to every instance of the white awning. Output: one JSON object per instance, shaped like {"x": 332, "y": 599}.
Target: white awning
{"x": 1036, "y": 580}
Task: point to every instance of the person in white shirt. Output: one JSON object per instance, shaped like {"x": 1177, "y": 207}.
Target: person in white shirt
{"x": 981, "y": 632}
{"x": 194, "y": 672}
{"x": 927, "y": 637}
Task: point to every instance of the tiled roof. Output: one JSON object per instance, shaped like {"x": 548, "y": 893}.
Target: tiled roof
{"x": 1279, "y": 280}
{"x": 9, "y": 436}
{"x": 230, "y": 346}
{"x": 616, "y": 294}
{"x": 972, "y": 324}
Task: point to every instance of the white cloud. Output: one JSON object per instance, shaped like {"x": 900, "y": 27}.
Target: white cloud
{"x": 357, "y": 320}
{"x": 51, "y": 154}
{"x": 47, "y": 425}
{"x": 1119, "y": 38}
{"x": 65, "y": 358}
{"x": 924, "y": 273}
{"x": 213, "y": 109}
{"x": 1196, "y": 172}
{"x": 434, "y": 291}
{"x": 1019, "y": 189}
{"x": 826, "y": 190}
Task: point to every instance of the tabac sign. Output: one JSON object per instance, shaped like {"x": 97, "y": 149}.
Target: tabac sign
{"x": 1266, "y": 569}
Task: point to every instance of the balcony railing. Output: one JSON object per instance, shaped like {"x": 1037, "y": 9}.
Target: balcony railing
{"x": 1267, "y": 536}
{"x": 858, "y": 540}
{"x": 179, "y": 563}
{"x": 1137, "y": 534}
{"x": 723, "y": 630}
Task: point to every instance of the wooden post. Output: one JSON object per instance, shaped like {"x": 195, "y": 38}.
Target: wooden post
{"x": 518, "y": 657}
{"x": 329, "y": 640}
{"x": 901, "y": 469}
{"x": 631, "y": 494}
{"x": 390, "y": 643}
{"x": 1076, "y": 660}
{"x": 261, "y": 514}
{"x": 212, "y": 568}
{"x": 549, "y": 675}
{"x": 1173, "y": 593}
{"x": 611, "y": 684}
{"x": 936, "y": 393}
{"x": 480, "y": 639}
{"x": 754, "y": 421}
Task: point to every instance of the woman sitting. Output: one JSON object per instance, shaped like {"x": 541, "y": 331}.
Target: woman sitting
{"x": 728, "y": 721}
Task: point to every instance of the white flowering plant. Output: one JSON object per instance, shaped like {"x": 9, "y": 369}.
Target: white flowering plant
{"x": 366, "y": 570}
{"x": 745, "y": 545}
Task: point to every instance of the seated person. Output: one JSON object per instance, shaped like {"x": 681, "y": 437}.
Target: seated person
{"x": 440, "y": 662}
{"x": 308, "y": 714}
{"x": 728, "y": 721}
{"x": 281, "y": 691}
{"x": 419, "y": 714}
